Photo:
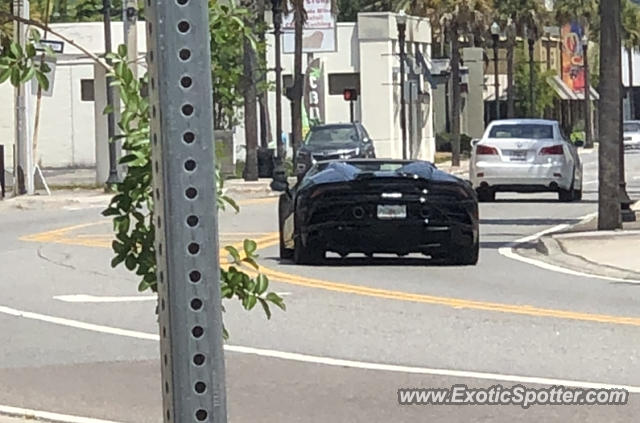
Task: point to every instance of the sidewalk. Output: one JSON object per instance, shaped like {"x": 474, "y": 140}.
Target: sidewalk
{"x": 582, "y": 248}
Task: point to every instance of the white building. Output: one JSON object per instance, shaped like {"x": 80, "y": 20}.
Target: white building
{"x": 73, "y": 128}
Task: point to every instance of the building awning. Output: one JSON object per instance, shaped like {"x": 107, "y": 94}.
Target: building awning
{"x": 489, "y": 87}
{"x": 565, "y": 93}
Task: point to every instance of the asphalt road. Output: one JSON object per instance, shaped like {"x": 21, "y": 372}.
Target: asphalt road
{"x": 503, "y": 321}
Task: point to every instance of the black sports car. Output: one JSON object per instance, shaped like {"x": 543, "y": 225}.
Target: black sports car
{"x": 378, "y": 206}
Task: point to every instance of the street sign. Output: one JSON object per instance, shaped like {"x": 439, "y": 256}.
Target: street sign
{"x": 320, "y": 31}
{"x": 55, "y": 46}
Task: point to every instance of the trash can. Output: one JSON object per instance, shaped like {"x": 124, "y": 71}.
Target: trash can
{"x": 265, "y": 162}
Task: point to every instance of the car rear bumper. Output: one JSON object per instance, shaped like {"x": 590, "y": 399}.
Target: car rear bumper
{"x": 522, "y": 177}
{"x": 390, "y": 237}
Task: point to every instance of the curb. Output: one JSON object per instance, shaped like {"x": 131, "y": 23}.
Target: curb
{"x": 550, "y": 248}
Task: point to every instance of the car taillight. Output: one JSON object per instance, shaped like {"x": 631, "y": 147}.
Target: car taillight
{"x": 553, "y": 150}
{"x": 486, "y": 150}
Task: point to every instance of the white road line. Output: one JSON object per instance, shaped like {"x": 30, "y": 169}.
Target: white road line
{"x": 306, "y": 358}
{"x": 78, "y": 324}
{"x": 511, "y": 254}
{"x": 82, "y": 298}
{"x": 590, "y": 183}
{"x": 45, "y": 415}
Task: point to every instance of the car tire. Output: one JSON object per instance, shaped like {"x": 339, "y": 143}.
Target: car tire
{"x": 577, "y": 195}
{"x": 285, "y": 253}
{"x": 486, "y": 195}
{"x": 466, "y": 256}
{"x": 311, "y": 254}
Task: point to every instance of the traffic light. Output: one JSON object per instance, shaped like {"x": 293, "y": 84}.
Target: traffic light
{"x": 350, "y": 94}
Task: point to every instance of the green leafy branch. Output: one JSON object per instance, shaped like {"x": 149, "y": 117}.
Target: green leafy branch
{"x": 20, "y": 64}
{"x": 132, "y": 206}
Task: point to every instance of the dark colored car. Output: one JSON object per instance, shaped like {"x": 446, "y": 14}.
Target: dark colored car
{"x": 334, "y": 142}
{"x": 378, "y": 206}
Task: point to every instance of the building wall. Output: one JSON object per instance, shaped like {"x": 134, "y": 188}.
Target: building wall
{"x": 67, "y": 135}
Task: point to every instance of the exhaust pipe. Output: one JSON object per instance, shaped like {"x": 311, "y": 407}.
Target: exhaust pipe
{"x": 358, "y": 212}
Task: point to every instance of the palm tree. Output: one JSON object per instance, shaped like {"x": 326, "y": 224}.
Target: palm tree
{"x": 457, "y": 21}
{"x": 631, "y": 40}
{"x": 609, "y": 211}
{"x": 515, "y": 16}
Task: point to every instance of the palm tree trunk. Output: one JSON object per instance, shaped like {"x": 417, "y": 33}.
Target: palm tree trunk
{"x": 609, "y": 211}
{"x": 511, "y": 98}
{"x": 298, "y": 80}
{"x": 456, "y": 96}
{"x": 250, "y": 114}
{"x": 632, "y": 109}
{"x": 532, "y": 75}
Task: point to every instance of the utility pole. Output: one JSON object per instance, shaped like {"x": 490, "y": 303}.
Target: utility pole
{"x": 111, "y": 119}
{"x": 130, "y": 22}
{"x": 185, "y": 216}
{"x": 23, "y": 166}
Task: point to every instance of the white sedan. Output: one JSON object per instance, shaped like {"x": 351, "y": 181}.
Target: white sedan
{"x": 526, "y": 155}
{"x": 632, "y": 135}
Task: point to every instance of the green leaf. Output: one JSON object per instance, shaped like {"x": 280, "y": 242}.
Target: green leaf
{"x": 130, "y": 262}
{"x": 122, "y": 51}
{"x": 262, "y": 284}
{"x": 27, "y": 75}
{"x": 275, "y": 299}
{"x": 234, "y": 253}
{"x": 265, "y": 307}
{"x": 43, "y": 81}
{"x": 4, "y": 75}
{"x": 250, "y": 247}
{"x": 31, "y": 50}
{"x": 15, "y": 50}
{"x": 251, "y": 262}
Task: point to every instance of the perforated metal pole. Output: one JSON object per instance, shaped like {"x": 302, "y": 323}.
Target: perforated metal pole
{"x": 185, "y": 212}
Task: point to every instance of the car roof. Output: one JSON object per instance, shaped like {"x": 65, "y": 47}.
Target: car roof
{"x": 525, "y": 121}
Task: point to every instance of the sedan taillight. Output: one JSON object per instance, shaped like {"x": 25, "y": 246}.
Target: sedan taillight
{"x": 552, "y": 150}
{"x": 486, "y": 150}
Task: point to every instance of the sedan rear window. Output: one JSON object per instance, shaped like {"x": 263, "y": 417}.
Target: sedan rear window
{"x": 528, "y": 131}
{"x": 332, "y": 135}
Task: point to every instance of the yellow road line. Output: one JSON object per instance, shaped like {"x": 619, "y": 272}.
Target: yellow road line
{"x": 271, "y": 239}
{"x": 457, "y": 303}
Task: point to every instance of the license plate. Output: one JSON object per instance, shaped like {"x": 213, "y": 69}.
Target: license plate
{"x": 518, "y": 155}
{"x": 391, "y": 212}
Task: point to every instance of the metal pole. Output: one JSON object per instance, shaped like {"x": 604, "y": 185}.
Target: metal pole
{"x": 23, "y": 167}
{"x": 185, "y": 216}
{"x": 277, "y": 32}
{"x": 352, "y": 110}
{"x": 2, "y": 181}
{"x": 403, "y": 117}
{"x": 111, "y": 119}
{"x": 496, "y": 76}
{"x": 130, "y": 25}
